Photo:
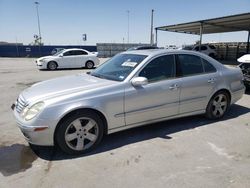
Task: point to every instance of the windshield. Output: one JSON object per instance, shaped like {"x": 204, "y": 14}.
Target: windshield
{"x": 118, "y": 67}
{"x": 59, "y": 52}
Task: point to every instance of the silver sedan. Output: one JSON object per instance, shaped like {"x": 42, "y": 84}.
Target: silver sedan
{"x": 131, "y": 89}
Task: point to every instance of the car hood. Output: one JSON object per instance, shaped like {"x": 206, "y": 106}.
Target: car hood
{"x": 244, "y": 59}
{"x": 63, "y": 86}
{"x": 46, "y": 57}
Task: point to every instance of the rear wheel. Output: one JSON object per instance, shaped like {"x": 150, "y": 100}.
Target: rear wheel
{"x": 89, "y": 64}
{"x": 80, "y": 133}
{"x": 52, "y": 65}
{"x": 217, "y": 105}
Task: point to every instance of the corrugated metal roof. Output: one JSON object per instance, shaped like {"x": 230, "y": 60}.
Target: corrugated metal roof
{"x": 239, "y": 22}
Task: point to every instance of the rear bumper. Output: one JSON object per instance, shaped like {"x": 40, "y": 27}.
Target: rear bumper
{"x": 237, "y": 95}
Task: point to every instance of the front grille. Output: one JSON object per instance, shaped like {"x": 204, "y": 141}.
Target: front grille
{"x": 20, "y": 104}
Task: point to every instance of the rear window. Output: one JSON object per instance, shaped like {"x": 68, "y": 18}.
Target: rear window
{"x": 203, "y": 48}
{"x": 208, "y": 67}
{"x": 190, "y": 65}
{"x": 212, "y": 47}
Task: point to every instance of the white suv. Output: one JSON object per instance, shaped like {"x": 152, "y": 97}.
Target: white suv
{"x": 207, "y": 49}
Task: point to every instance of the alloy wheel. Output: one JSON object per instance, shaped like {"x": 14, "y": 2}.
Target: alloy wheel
{"x": 219, "y": 105}
{"x": 81, "y": 134}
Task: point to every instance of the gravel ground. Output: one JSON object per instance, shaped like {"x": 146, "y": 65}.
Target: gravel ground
{"x": 187, "y": 152}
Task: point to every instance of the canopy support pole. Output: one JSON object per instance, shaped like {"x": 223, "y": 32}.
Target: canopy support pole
{"x": 156, "y": 36}
{"x": 201, "y": 32}
{"x": 248, "y": 38}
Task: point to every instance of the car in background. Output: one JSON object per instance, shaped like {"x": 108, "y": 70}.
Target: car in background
{"x": 186, "y": 47}
{"x": 131, "y": 89}
{"x": 56, "y": 50}
{"x": 68, "y": 58}
{"x": 245, "y": 67}
{"x": 142, "y": 48}
{"x": 171, "y": 47}
{"x": 207, "y": 49}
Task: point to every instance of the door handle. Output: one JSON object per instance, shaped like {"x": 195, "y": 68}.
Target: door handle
{"x": 174, "y": 87}
{"x": 211, "y": 80}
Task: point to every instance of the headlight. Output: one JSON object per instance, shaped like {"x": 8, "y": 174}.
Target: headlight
{"x": 30, "y": 113}
{"x": 43, "y": 60}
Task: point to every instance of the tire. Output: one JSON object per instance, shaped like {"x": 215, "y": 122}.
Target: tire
{"x": 80, "y": 132}
{"x": 89, "y": 64}
{"x": 34, "y": 148}
{"x": 52, "y": 65}
{"x": 218, "y": 105}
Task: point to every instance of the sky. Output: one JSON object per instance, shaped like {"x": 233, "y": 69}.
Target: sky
{"x": 64, "y": 21}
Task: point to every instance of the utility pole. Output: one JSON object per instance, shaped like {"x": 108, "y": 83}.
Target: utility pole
{"x": 38, "y": 22}
{"x": 128, "y": 24}
{"x": 151, "y": 32}
{"x": 39, "y": 29}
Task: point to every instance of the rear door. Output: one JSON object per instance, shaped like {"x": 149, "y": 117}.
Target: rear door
{"x": 80, "y": 58}
{"x": 198, "y": 82}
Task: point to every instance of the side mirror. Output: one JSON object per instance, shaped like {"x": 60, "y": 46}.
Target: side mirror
{"x": 61, "y": 55}
{"x": 139, "y": 81}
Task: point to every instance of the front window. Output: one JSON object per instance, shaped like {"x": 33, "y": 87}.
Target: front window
{"x": 118, "y": 67}
{"x": 160, "y": 68}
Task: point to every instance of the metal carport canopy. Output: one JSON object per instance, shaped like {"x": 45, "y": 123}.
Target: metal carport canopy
{"x": 239, "y": 22}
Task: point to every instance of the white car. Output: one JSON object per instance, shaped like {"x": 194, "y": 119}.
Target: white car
{"x": 245, "y": 67}
{"x": 69, "y": 58}
{"x": 207, "y": 49}
{"x": 171, "y": 47}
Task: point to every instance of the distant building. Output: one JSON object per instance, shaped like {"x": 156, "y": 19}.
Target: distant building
{"x": 10, "y": 44}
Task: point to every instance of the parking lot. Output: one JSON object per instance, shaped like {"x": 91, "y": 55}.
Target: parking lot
{"x": 186, "y": 152}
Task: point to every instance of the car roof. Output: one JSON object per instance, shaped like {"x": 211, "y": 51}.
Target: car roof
{"x": 155, "y": 52}
{"x": 68, "y": 49}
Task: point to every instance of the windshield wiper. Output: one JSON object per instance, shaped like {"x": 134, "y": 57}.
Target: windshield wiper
{"x": 98, "y": 76}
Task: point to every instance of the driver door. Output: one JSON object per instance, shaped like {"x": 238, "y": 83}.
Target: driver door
{"x": 159, "y": 98}
{"x": 68, "y": 60}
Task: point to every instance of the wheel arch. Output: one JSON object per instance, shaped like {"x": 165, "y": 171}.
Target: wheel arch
{"x": 81, "y": 110}
{"x": 53, "y": 62}
{"x": 222, "y": 90}
{"x": 89, "y": 60}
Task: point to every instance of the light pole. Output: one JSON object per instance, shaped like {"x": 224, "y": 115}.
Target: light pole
{"x": 38, "y": 21}
{"x": 151, "y": 32}
{"x": 128, "y": 24}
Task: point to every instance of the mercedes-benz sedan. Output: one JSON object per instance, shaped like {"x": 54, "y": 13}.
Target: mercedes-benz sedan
{"x": 131, "y": 89}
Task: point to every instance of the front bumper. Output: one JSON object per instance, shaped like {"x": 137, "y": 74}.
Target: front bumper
{"x": 40, "y": 65}
{"x": 36, "y": 131}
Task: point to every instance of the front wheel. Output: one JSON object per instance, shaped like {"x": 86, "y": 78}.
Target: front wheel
{"x": 217, "y": 105}
{"x": 52, "y": 65}
{"x": 80, "y": 133}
